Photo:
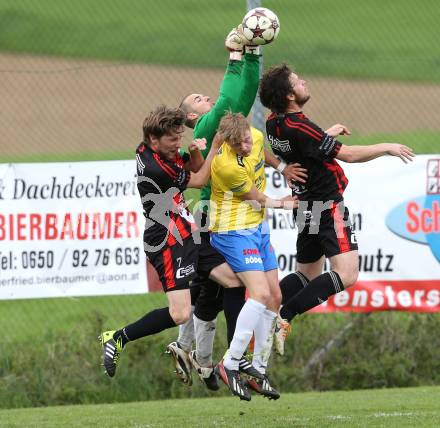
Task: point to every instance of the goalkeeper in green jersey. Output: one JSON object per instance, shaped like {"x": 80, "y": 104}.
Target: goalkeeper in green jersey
{"x": 237, "y": 94}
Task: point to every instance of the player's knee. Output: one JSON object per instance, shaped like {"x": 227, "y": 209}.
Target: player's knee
{"x": 180, "y": 318}
{"x": 262, "y": 296}
{"x": 180, "y": 315}
{"x": 352, "y": 278}
{"x": 349, "y": 277}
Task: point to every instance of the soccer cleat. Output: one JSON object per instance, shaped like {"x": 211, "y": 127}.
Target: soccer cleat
{"x": 111, "y": 350}
{"x": 181, "y": 361}
{"x": 263, "y": 387}
{"x": 282, "y": 330}
{"x": 244, "y": 366}
{"x": 232, "y": 380}
{"x": 206, "y": 374}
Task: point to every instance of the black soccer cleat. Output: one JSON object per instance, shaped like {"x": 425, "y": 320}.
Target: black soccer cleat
{"x": 206, "y": 374}
{"x": 263, "y": 387}
{"x": 245, "y": 367}
{"x": 232, "y": 380}
{"x": 111, "y": 351}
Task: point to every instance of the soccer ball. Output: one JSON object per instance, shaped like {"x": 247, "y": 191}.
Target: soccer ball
{"x": 260, "y": 26}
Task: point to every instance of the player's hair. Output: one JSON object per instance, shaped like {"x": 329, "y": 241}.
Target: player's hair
{"x": 275, "y": 86}
{"x": 232, "y": 127}
{"x": 185, "y": 107}
{"x": 162, "y": 121}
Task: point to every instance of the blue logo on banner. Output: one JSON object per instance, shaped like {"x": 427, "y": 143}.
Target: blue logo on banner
{"x": 418, "y": 219}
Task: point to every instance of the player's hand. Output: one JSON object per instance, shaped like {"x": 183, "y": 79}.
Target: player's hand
{"x": 248, "y": 46}
{"x": 235, "y": 40}
{"x": 289, "y": 202}
{"x": 337, "y": 130}
{"x": 197, "y": 144}
{"x": 295, "y": 172}
{"x": 403, "y": 152}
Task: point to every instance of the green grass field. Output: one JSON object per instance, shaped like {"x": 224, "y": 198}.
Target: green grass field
{"x": 49, "y": 354}
{"x": 374, "y": 39}
{"x": 373, "y": 408}
{"x": 31, "y": 315}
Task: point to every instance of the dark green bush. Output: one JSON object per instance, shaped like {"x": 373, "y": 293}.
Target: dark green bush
{"x": 62, "y": 366}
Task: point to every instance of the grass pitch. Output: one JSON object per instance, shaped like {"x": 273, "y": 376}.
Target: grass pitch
{"x": 368, "y": 39}
{"x": 373, "y": 408}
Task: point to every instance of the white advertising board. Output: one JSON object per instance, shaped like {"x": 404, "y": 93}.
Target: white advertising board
{"x": 75, "y": 229}
{"x": 70, "y": 229}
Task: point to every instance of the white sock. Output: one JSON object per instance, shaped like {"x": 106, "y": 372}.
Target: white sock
{"x": 186, "y": 333}
{"x": 249, "y": 317}
{"x": 263, "y": 340}
{"x": 205, "y": 333}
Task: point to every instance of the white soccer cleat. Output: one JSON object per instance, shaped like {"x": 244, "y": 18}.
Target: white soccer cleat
{"x": 282, "y": 330}
{"x": 206, "y": 374}
{"x": 181, "y": 362}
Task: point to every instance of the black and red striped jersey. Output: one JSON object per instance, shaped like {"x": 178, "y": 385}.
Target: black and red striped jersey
{"x": 161, "y": 184}
{"x": 295, "y": 138}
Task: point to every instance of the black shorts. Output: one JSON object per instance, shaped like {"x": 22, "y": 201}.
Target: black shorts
{"x": 206, "y": 294}
{"x": 194, "y": 288}
{"x": 209, "y": 257}
{"x": 176, "y": 265}
{"x": 210, "y": 299}
{"x": 329, "y": 235}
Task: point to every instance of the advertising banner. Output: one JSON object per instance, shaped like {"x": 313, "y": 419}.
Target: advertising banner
{"x": 70, "y": 229}
{"x": 395, "y": 213}
{"x": 75, "y": 229}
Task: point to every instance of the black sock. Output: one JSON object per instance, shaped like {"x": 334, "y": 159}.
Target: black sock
{"x": 316, "y": 292}
{"x": 151, "y": 323}
{"x": 292, "y": 284}
{"x": 233, "y": 301}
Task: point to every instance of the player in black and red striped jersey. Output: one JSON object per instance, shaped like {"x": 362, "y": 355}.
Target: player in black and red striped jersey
{"x": 324, "y": 228}
{"x": 163, "y": 175}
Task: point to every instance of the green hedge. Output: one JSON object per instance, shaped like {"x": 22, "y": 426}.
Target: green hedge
{"x": 57, "y": 360}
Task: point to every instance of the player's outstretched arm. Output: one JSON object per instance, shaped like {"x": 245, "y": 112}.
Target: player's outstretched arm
{"x": 229, "y": 91}
{"x": 354, "y": 154}
{"x": 250, "y": 77}
{"x": 201, "y": 178}
{"x": 291, "y": 172}
{"x": 259, "y": 200}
